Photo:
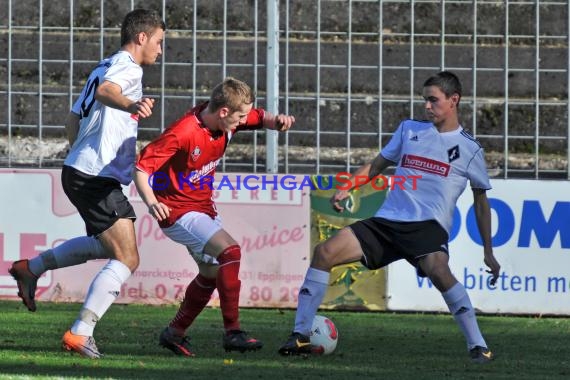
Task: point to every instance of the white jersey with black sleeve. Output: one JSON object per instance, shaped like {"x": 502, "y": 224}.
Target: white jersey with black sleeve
{"x": 106, "y": 142}
{"x": 442, "y": 163}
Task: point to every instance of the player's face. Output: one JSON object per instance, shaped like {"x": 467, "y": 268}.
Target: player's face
{"x": 152, "y": 46}
{"x": 230, "y": 120}
{"x": 439, "y": 107}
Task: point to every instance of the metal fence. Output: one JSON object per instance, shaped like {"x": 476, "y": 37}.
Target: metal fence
{"x": 348, "y": 70}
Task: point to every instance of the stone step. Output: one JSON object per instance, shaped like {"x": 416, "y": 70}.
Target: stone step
{"x": 303, "y": 70}
{"x": 304, "y": 87}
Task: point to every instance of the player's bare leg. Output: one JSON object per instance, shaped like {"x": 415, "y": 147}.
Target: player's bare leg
{"x": 343, "y": 247}
{"x": 436, "y": 266}
{"x": 106, "y": 286}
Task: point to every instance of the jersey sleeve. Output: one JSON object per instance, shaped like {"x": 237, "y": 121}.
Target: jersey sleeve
{"x": 254, "y": 120}
{"x": 87, "y": 95}
{"x": 159, "y": 151}
{"x": 125, "y": 74}
{"x": 393, "y": 150}
{"x": 83, "y": 96}
{"x": 477, "y": 172}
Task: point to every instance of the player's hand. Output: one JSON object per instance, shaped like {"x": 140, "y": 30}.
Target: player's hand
{"x": 144, "y": 107}
{"x": 494, "y": 266}
{"x": 159, "y": 211}
{"x": 337, "y": 198}
{"x": 284, "y": 122}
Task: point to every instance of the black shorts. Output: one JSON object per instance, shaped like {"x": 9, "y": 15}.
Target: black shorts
{"x": 384, "y": 241}
{"x": 99, "y": 200}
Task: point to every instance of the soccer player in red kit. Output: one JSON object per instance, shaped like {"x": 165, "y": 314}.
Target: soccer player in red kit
{"x": 172, "y": 178}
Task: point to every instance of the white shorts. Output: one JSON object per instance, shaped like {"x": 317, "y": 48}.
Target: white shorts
{"x": 193, "y": 230}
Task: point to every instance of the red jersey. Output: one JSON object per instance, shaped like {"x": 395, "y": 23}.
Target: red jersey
{"x": 182, "y": 162}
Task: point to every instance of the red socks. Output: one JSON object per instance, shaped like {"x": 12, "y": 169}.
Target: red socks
{"x": 198, "y": 293}
{"x": 229, "y": 285}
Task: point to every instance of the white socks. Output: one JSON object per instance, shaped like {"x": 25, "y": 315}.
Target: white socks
{"x": 72, "y": 252}
{"x": 104, "y": 289}
{"x": 459, "y": 304}
{"x": 311, "y": 296}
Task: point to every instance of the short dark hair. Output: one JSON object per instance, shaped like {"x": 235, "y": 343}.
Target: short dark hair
{"x": 138, "y": 21}
{"x": 446, "y": 81}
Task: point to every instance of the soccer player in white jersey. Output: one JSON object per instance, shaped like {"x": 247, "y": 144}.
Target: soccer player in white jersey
{"x": 102, "y": 132}
{"x": 412, "y": 224}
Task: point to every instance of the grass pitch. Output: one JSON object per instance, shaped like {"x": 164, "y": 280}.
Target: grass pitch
{"x": 371, "y": 346}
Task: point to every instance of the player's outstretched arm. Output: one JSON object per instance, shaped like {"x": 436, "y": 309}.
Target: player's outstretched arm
{"x": 483, "y": 217}
{"x": 364, "y": 174}
{"x": 72, "y": 127}
{"x": 111, "y": 95}
{"x": 284, "y": 122}
{"x": 279, "y": 122}
{"x": 155, "y": 208}
{"x": 378, "y": 165}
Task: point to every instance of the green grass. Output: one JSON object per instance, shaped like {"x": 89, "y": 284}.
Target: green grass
{"x": 371, "y": 346}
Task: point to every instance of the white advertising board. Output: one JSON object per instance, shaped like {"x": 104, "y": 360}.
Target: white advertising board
{"x": 271, "y": 225}
{"x": 531, "y": 239}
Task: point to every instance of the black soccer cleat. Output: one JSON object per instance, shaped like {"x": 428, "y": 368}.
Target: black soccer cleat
{"x": 298, "y": 344}
{"x": 238, "y": 340}
{"x": 480, "y": 355}
{"x": 180, "y": 345}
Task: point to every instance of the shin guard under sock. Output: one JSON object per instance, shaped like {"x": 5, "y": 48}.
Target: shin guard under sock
{"x": 229, "y": 285}
{"x": 197, "y": 296}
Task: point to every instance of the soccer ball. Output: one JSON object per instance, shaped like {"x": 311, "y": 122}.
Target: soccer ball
{"x": 324, "y": 335}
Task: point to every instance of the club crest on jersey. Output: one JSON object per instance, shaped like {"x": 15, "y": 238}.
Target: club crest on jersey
{"x": 453, "y": 153}
{"x": 195, "y": 153}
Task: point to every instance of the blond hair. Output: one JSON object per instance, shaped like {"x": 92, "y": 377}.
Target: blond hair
{"x": 231, "y": 93}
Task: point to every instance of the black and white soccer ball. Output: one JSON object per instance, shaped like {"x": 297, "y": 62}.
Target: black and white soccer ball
{"x": 324, "y": 335}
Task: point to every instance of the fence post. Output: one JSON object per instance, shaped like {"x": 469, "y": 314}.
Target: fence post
{"x": 272, "y": 91}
